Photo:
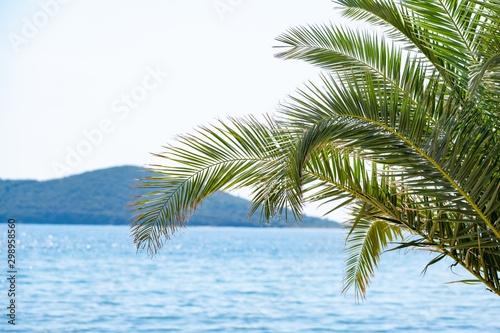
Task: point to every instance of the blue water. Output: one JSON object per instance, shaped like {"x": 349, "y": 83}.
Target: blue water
{"x": 90, "y": 279}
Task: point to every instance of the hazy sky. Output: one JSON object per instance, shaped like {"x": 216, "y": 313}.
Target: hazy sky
{"x": 89, "y": 84}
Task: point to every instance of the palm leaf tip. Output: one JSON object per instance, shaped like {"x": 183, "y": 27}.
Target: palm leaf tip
{"x": 231, "y": 155}
{"x": 366, "y": 241}
{"x": 158, "y": 213}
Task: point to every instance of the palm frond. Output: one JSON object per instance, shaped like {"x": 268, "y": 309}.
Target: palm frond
{"x": 343, "y": 49}
{"x": 241, "y": 153}
{"x": 392, "y": 131}
{"x": 369, "y": 238}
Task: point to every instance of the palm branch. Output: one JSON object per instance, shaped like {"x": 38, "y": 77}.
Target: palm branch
{"x": 402, "y": 129}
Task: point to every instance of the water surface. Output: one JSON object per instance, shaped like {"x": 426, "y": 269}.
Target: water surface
{"x": 90, "y": 279}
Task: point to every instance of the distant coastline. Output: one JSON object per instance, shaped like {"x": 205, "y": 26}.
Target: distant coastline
{"x": 99, "y": 198}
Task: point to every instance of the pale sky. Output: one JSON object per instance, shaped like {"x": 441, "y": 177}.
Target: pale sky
{"x": 90, "y": 84}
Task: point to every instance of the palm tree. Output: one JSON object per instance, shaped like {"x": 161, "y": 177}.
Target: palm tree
{"x": 402, "y": 128}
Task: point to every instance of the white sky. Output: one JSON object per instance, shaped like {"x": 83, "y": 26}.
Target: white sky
{"x": 64, "y": 71}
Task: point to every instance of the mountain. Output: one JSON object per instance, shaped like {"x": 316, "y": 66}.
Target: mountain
{"x": 99, "y": 197}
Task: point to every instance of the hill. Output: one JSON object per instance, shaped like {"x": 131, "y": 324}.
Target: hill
{"x": 99, "y": 197}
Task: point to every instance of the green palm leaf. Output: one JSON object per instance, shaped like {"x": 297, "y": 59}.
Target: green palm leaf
{"x": 344, "y": 49}
{"x": 368, "y": 240}
{"x": 392, "y": 132}
{"x": 243, "y": 153}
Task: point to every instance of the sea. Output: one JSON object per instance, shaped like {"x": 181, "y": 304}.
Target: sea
{"x": 75, "y": 278}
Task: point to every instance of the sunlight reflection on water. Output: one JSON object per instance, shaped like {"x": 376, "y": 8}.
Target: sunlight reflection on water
{"x": 90, "y": 279}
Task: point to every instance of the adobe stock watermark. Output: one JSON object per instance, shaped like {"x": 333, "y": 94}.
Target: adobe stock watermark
{"x": 120, "y": 109}
{"x": 32, "y": 26}
{"x": 222, "y": 7}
